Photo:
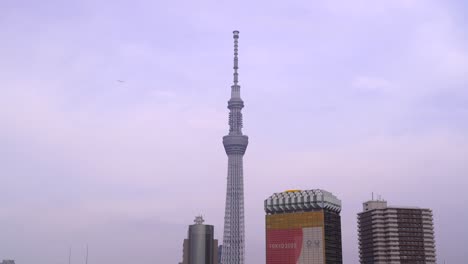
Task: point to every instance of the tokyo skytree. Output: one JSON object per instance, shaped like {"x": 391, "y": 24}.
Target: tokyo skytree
{"x": 235, "y": 144}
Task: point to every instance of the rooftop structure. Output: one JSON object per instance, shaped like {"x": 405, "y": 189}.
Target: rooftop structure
{"x": 298, "y": 200}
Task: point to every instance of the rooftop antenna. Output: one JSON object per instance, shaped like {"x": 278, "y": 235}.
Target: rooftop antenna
{"x": 199, "y": 220}
{"x": 372, "y": 196}
{"x": 236, "y": 60}
{"x": 69, "y": 256}
{"x": 235, "y": 88}
{"x": 86, "y": 253}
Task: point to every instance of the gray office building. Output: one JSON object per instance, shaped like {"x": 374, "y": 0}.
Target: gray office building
{"x": 220, "y": 253}
{"x": 395, "y": 235}
{"x": 6, "y": 261}
{"x": 200, "y": 247}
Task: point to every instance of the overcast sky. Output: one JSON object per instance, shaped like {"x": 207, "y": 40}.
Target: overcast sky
{"x": 352, "y": 96}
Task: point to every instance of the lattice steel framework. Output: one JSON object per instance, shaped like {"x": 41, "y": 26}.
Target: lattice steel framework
{"x": 235, "y": 144}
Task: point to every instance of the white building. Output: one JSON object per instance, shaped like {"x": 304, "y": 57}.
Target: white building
{"x": 395, "y": 235}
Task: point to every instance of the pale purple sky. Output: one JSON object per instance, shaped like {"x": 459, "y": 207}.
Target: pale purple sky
{"x": 353, "y": 97}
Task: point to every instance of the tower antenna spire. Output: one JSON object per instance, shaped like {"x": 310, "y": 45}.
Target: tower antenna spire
{"x": 236, "y": 59}
{"x": 235, "y": 145}
{"x": 235, "y": 88}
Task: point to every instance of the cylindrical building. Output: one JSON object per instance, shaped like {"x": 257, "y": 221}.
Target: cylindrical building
{"x": 200, "y": 247}
{"x": 201, "y": 244}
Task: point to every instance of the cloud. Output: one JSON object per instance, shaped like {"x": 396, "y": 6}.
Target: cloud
{"x": 350, "y": 96}
{"x": 440, "y": 45}
{"x": 163, "y": 94}
{"x": 368, "y": 8}
{"x": 372, "y": 84}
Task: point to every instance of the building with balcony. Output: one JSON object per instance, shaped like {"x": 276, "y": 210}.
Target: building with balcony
{"x": 395, "y": 235}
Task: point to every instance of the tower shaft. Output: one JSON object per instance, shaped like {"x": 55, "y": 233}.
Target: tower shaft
{"x": 235, "y": 144}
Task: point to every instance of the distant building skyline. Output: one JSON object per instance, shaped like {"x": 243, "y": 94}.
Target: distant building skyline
{"x": 400, "y": 235}
{"x": 303, "y": 227}
{"x": 200, "y": 247}
{"x": 235, "y": 144}
{"x": 348, "y": 96}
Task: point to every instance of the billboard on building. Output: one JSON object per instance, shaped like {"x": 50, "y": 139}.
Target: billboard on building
{"x": 295, "y": 238}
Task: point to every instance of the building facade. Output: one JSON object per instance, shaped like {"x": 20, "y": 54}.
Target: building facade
{"x": 220, "y": 253}
{"x": 395, "y": 235}
{"x": 7, "y": 261}
{"x": 303, "y": 227}
{"x": 200, "y": 247}
{"x": 235, "y": 145}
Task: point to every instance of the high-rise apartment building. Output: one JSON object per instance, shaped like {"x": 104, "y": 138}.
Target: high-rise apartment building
{"x": 395, "y": 235}
{"x": 200, "y": 247}
{"x": 235, "y": 144}
{"x": 303, "y": 227}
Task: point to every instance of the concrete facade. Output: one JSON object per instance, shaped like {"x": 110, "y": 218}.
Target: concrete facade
{"x": 395, "y": 235}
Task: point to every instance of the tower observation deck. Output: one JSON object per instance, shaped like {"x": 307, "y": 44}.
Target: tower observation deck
{"x": 235, "y": 144}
